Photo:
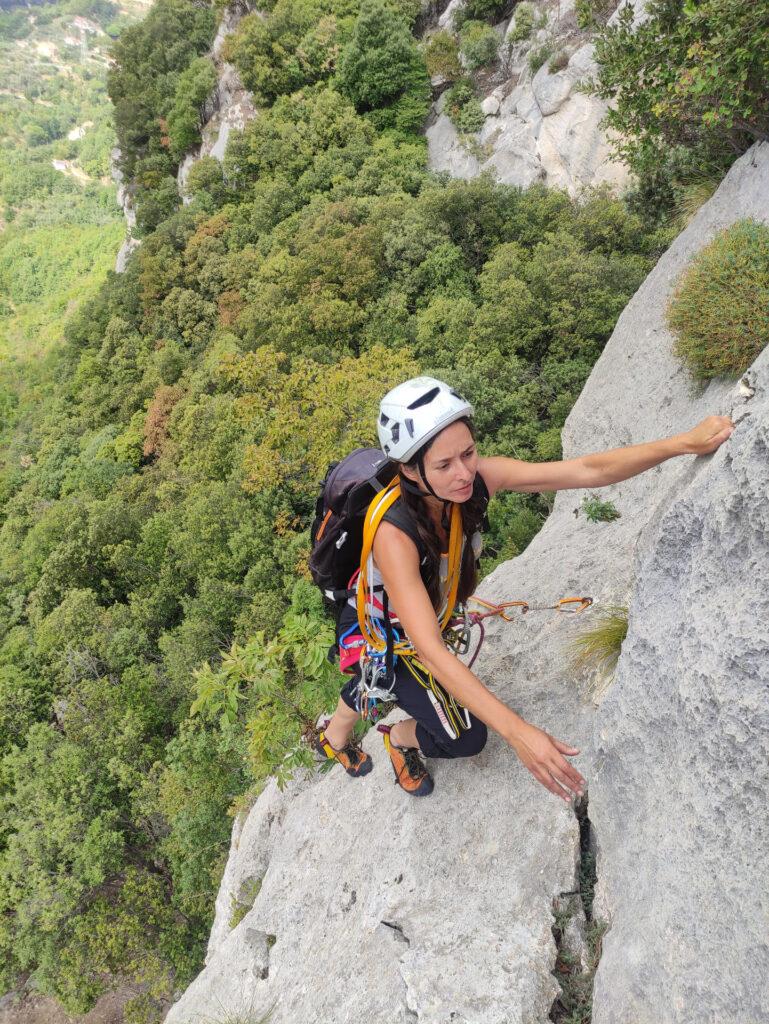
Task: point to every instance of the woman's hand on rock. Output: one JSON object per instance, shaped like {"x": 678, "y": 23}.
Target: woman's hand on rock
{"x": 543, "y": 755}
{"x": 708, "y": 435}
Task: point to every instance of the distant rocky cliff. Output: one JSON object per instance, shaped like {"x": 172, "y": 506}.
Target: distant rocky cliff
{"x": 230, "y": 107}
{"x": 344, "y": 901}
{"x": 541, "y": 125}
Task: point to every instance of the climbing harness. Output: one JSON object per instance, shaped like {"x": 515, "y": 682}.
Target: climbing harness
{"x": 380, "y": 644}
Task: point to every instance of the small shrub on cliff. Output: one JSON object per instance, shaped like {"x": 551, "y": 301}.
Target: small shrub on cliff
{"x": 719, "y": 312}
{"x": 442, "y": 56}
{"x": 523, "y": 23}
{"x": 479, "y": 44}
{"x": 597, "y": 511}
{"x": 593, "y": 14}
{"x": 463, "y": 107}
{"x": 540, "y": 55}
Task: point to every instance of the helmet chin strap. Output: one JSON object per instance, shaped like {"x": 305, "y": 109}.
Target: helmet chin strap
{"x": 415, "y": 489}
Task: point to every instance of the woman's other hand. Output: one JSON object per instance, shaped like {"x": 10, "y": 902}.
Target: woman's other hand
{"x": 543, "y": 755}
{"x": 707, "y": 435}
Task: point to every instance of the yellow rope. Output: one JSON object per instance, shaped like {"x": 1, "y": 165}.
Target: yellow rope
{"x": 378, "y": 508}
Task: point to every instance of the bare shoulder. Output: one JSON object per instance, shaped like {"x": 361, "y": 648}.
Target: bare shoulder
{"x": 394, "y": 549}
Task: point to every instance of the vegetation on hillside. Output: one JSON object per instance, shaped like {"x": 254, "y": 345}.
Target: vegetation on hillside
{"x": 162, "y": 648}
{"x": 689, "y": 87}
{"x": 59, "y": 224}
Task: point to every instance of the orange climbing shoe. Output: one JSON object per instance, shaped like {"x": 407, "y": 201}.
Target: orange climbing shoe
{"x": 351, "y": 757}
{"x": 410, "y": 772}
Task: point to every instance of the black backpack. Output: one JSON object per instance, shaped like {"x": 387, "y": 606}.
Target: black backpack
{"x": 337, "y": 530}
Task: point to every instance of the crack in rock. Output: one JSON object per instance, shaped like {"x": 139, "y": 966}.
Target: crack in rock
{"x": 577, "y": 935}
{"x": 398, "y": 930}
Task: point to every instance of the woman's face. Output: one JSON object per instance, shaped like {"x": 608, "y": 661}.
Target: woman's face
{"x": 451, "y": 463}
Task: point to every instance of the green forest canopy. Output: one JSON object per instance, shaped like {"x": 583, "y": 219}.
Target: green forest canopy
{"x": 162, "y": 647}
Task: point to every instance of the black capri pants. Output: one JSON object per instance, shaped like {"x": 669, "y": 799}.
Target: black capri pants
{"x": 413, "y": 698}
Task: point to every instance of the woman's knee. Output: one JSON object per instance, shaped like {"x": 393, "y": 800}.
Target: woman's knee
{"x": 467, "y": 744}
{"x": 474, "y": 740}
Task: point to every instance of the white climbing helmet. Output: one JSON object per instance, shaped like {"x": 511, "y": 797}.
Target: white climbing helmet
{"x": 416, "y": 411}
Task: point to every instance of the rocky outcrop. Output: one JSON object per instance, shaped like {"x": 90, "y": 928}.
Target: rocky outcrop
{"x": 540, "y": 126}
{"x": 368, "y": 906}
{"x": 125, "y": 200}
{"x": 229, "y": 108}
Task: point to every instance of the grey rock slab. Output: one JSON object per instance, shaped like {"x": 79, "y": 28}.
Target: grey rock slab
{"x": 386, "y": 907}
{"x": 490, "y": 106}
{"x": 551, "y": 90}
{"x": 445, "y": 151}
{"x": 679, "y": 796}
{"x": 572, "y": 147}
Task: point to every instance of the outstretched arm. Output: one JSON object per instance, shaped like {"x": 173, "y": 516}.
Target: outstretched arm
{"x": 398, "y": 561}
{"x": 603, "y": 468}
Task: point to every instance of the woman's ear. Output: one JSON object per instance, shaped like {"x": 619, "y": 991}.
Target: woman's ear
{"x": 410, "y": 473}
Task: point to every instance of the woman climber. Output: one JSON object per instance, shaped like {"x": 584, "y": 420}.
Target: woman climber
{"x": 426, "y": 427}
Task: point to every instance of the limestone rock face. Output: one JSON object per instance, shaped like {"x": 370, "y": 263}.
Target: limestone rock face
{"x": 229, "y": 108}
{"x": 372, "y": 906}
{"x": 125, "y": 200}
{"x": 547, "y": 128}
{"x": 679, "y": 791}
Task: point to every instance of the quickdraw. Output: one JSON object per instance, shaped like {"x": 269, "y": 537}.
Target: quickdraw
{"x": 373, "y": 687}
{"x": 568, "y": 605}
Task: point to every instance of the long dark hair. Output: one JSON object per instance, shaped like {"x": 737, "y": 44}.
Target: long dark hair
{"x": 473, "y": 511}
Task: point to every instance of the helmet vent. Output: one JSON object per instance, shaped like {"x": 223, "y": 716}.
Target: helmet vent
{"x": 384, "y": 420}
{"x": 410, "y": 427}
{"x": 425, "y": 399}
{"x": 395, "y": 430}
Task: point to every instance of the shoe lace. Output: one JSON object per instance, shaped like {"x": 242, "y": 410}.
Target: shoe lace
{"x": 414, "y": 765}
{"x": 352, "y": 750}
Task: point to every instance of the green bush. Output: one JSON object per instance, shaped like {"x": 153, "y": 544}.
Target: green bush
{"x": 539, "y": 55}
{"x": 378, "y": 65}
{"x": 692, "y": 76}
{"x": 478, "y": 10}
{"x": 185, "y": 119}
{"x": 719, "y": 312}
{"x": 523, "y": 22}
{"x": 592, "y": 14}
{"x": 463, "y": 107}
{"x": 479, "y": 44}
{"x": 442, "y": 56}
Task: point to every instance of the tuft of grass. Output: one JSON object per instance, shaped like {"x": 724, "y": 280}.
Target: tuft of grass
{"x": 558, "y": 62}
{"x": 691, "y": 196}
{"x": 598, "y": 511}
{"x": 719, "y": 312}
{"x": 598, "y": 646}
